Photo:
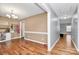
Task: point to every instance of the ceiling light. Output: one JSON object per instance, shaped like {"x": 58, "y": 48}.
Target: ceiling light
{"x": 12, "y": 15}
{"x": 65, "y": 17}
{"x": 8, "y": 15}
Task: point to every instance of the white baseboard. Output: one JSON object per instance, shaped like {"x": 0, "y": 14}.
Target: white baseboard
{"x": 35, "y": 41}
{"x": 54, "y": 44}
{"x": 15, "y": 37}
{"x": 9, "y": 40}
{"x": 75, "y": 46}
{"x": 4, "y": 40}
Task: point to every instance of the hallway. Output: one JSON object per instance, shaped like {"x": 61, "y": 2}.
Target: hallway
{"x": 64, "y": 47}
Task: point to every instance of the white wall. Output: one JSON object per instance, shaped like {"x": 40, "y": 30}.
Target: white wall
{"x": 66, "y": 21}
{"x": 74, "y": 32}
{"x": 54, "y": 32}
{"x": 63, "y": 24}
{"x": 78, "y": 33}
{"x": 62, "y": 28}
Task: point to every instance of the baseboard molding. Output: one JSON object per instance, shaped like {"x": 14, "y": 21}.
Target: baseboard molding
{"x": 75, "y": 46}
{"x": 15, "y": 37}
{"x": 4, "y": 40}
{"x": 35, "y": 41}
{"x": 54, "y": 44}
{"x": 9, "y": 40}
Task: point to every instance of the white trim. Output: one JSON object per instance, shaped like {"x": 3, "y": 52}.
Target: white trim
{"x": 35, "y": 41}
{"x": 20, "y": 28}
{"x": 4, "y": 40}
{"x": 75, "y": 46}
{"x": 23, "y": 28}
{"x": 54, "y": 44}
{"x": 9, "y": 40}
{"x": 49, "y": 16}
{"x": 35, "y": 32}
{"x": 15, "y": 37}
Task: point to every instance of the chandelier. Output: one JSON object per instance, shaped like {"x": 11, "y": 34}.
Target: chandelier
{"x": 12, "y": 15}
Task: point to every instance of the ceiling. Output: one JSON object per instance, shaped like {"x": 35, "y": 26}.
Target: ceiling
{"x": 22, "y": 10}
{"x": 63, "y": 9}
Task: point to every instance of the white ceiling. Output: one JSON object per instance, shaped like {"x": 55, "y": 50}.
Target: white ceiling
{"x": 22, "y": 10}
{"x": 63, "y": 9}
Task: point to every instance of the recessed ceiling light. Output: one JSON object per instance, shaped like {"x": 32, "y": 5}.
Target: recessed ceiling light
{"x": 65, "y": 17}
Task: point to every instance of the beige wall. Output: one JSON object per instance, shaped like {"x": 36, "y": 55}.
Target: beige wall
{"x": 7, "y": 23}
{"x": 37, "y": 23}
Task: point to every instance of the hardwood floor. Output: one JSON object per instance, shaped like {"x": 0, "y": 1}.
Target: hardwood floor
{"x": 25, "y": 47}
{"x": 64, "y": 47}
{"x": 22, "y": 47}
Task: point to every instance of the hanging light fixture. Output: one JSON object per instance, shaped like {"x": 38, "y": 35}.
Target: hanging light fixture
{"x": 12, "y": 15}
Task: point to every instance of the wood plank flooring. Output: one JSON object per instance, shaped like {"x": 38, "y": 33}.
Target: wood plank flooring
{"x": 64, "y": 47}
{"x": 22, "y": 47}
{"x": 25, "y": 47}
